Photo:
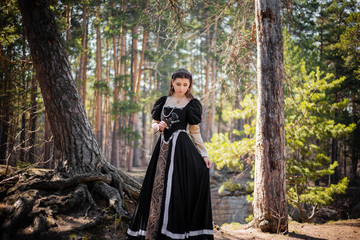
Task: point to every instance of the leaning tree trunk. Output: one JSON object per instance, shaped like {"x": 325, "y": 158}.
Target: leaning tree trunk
{"x": 84, "y": 182}
{"x": 270, "y": 209}
{"x": 69, "y": 124}
{"x": 73, "y": 134}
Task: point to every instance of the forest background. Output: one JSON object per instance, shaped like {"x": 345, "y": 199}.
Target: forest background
{"x": 122, "y": 54}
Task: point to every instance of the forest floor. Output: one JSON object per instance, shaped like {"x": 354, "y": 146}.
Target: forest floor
{"x": 338, "y": 230}
{"x": 74, "y": 225}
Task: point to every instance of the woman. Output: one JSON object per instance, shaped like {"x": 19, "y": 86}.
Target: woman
{"x": 174, "y": 202}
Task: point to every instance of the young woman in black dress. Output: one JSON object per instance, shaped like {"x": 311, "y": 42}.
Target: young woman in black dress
{"x": 174, "y": 202}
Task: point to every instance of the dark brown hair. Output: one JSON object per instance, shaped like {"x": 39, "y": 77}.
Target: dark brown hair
{"x": 182, "y": 73}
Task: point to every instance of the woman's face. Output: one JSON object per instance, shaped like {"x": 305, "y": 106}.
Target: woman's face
{"x": 181, "y": 85}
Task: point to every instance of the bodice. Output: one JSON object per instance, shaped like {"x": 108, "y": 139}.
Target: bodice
{"x": 177, "y": 117}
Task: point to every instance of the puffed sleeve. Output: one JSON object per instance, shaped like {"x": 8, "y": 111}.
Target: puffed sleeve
{"x": 194, "y": 112}
{"x": 156, "y": 111}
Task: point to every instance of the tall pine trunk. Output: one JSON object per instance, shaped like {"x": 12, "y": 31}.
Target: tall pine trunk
{"x": 137, "y": 90}
{"x": 115, "y": 142}
{"x": 68, "y": 25}
{"x": 213, "y": 83}
{"x": 5, "y": 108}
{"x": 134, "y": 72}
{"x": 84, "y": 55}
{"x": 99, "y": 80}
{"x": 23, "y": 119}
{"x": 205, "y": 126}
{"x": 122, "y": 119}
{"x": 270, "y": 207}
{"x": 32, "y": 121}
{"x": 107, "y": 111}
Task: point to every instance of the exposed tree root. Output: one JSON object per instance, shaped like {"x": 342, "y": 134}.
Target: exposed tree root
{"x": 42, "y": 206}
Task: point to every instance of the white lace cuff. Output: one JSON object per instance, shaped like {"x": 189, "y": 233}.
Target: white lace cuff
{"x": 155, "y": 125}
{"x": 197, "y": 139}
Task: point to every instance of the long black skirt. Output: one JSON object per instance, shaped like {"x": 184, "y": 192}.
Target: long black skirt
{"x": 185, "y": 201}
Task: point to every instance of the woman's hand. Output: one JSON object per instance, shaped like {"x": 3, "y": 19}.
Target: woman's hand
{"x": 207, "y": 161}
{"x": 158, "y": 126}
{"x": 162, "y": 125}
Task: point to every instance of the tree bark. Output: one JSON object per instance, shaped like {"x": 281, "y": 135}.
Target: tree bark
{"x": 270, "y": 207}
{"x": 107, "y": 111}
{"x": 98, "y": 115}
{"x": 144, "y": 136}
{"x": 134, "y": 74}
{"x": 23, "y": 119}
{"x": 354, "y": 152}
{"x": 334, "y": 158}
{"x": 84, "y": 54}
{"x": 32, "y": 121}
{"x": 5, "y": 108}
{"x": 115, "y": 142}
{"x": 137, "y": 90}
{"x": 47, "y": 145}
{"x": 122, "y": 119}
{"x": 68, "y": 25}
{"x": 213, "y": 83}
{"x": 205, "y": 126}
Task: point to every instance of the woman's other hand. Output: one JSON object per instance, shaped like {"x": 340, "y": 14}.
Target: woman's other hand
{"x": 162, "y": 126}
{"x": 207, "y": 161}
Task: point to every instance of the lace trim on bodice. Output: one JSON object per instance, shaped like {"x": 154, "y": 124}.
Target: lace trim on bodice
{"x": 181, "y": 105}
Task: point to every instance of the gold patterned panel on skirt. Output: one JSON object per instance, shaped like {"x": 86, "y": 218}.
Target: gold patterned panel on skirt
{"x": 157, "y": 194}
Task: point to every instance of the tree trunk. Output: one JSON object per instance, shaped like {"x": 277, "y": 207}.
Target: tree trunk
{"x": 68, "y": 25}
{"x": 115, "y": 142}
{"x": 98, "y": 116}
{"x": 144, "y": 136}
{"x": 205, "y": 125}
{"x": 334, "y": 158}
{"x": 270, "y": 207}
{"x": 239, "y": 123}
{"x": 122, "y": 119}
{"x": 107, "y": 111}
{"x": 213, "y": 83}
{"x": 47, "y": 145}
{"x": 5, "y": 108}
{"x": 81, "y": 164}
{"x": 73, "y": 134}
{"x": 137, "y": 90}
{"x": 84, "y": 55}
{"x": 139, "y": 73}
{"x": 23, "y": 120}
{"x": 32, "y": 121}
{"x": 354, "y": 151}
{"x": 134, "y": 72}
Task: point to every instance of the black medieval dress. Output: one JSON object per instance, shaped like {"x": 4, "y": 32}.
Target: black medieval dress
{"x": 174, "y": 202}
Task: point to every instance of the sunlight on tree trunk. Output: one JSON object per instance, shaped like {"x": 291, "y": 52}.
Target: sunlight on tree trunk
{"x": 270, "y": 207}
